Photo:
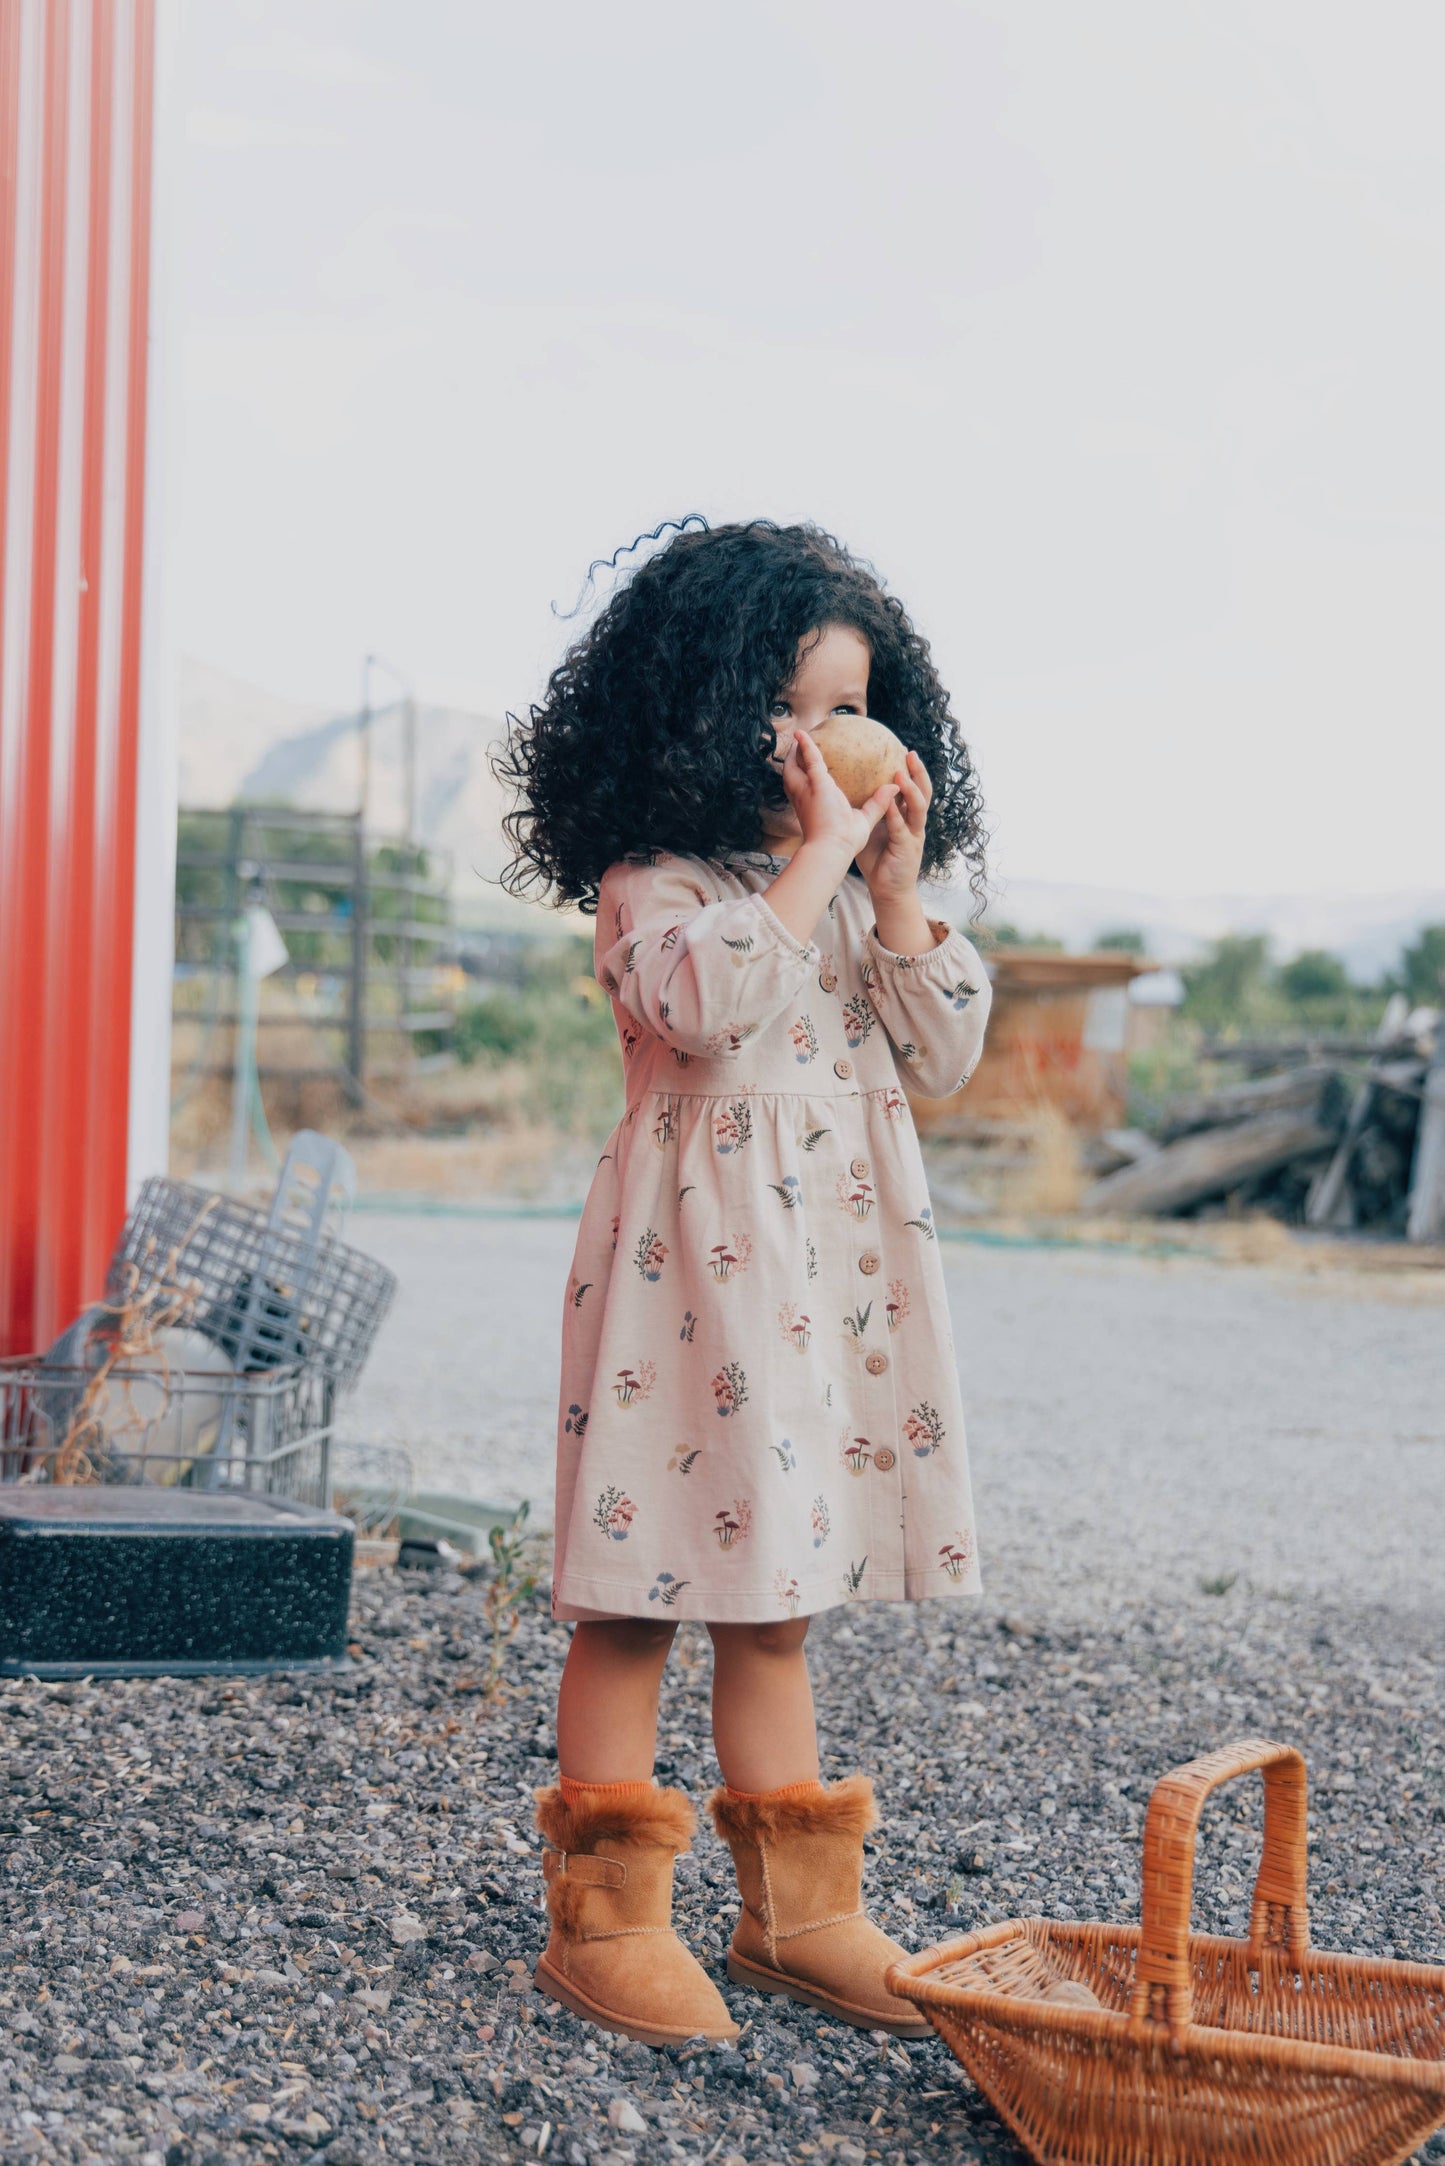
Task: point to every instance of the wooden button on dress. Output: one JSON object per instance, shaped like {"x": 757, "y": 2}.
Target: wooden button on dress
{"x": 876, "y": 1364}
{"x": 842, "y": 1069}
{"x": 869, "y": 1262}
{"x": 884, "y": 1459}
{"x": 860, "y": 1169}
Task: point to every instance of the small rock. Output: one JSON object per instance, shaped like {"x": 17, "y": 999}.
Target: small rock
{"x": 480, "y": 1960}
{"x": 405, "y": 1927}
{"x": 623, "y": 2115}
{"x": 68, "y": 2064}
{"x": 188, "y": 1921}
{"x": 804, "y": 2075}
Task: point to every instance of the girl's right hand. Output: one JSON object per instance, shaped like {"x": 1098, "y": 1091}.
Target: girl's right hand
{"x": 823, "y": 813}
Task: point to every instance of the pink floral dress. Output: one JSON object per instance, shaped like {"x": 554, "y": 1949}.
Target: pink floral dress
{"x": 760, "y": 1412}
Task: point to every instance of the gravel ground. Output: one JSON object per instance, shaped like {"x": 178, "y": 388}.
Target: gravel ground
{"x": 296, "y": 1917}
{"x": 265, "y": 1920}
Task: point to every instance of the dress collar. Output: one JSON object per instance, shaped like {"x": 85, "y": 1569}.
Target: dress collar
{"x": 763, "y": 859}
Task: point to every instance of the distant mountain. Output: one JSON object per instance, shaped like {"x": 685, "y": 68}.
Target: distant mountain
{"x": 241, "y": 743}
{"x": 227, "y": 728}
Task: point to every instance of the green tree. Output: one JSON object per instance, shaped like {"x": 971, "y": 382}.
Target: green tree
{"x": 1422, "y": 967}
{"x": 1122, "y": 940}
{"x": 1228, "y": 987}
{"x": 1009, "y": 936}
{"x": 1314, "y": 974}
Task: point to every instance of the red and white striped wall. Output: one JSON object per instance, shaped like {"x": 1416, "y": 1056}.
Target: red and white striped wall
{"x": 86, "y": 799}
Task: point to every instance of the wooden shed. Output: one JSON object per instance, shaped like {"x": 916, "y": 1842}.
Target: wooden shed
{"x": 1058, "y": 1036}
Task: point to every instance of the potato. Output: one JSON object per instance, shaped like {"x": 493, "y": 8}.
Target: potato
{"x": 859, "y": 753}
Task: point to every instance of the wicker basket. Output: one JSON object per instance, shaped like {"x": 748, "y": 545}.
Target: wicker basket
{"x": 1153, "y": 2046}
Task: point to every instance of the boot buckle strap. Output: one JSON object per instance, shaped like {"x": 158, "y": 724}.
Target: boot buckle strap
{"x": 583, "y": 1866}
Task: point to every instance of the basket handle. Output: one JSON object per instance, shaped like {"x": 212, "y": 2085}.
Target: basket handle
{"x": 1278, "y": 1916}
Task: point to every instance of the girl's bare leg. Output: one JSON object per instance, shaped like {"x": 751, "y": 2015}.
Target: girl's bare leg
{"x": 762, "y": 1705}
{"x": 607, "y": 1707}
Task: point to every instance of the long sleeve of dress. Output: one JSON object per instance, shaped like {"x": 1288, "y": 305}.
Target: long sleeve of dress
{"x": 702, "y": 975}
{"x": 933, "y": 1007}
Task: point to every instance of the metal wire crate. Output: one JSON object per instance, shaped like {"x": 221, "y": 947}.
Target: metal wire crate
{"x": 144, "y": 1420}
{"x": 267, "y": 1292}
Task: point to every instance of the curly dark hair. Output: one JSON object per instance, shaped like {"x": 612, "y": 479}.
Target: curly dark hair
{"x": 654, "y": 732}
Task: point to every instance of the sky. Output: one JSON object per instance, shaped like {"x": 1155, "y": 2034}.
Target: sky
{"x": 1113, "y": 336}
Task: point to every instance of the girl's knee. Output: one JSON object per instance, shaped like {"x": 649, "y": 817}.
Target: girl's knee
{"x": 778, "y": 1636}
{"x": 637, "y": 1639}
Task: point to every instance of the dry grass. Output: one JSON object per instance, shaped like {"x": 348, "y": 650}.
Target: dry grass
{"x": 526, "y": 1164}
{"x": 469, "y": 1134}
{"x": 133, "y": 1335}
{"x": 1052, "y": 1179}
{"x": 1254, "y": 1238}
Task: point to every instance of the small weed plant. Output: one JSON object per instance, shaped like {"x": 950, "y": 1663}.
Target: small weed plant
{"x": 516, "y": 1566}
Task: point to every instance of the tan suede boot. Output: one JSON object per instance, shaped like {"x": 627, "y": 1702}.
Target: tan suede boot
{"x": 802, "y": 1929}
{"x": 613, "y": 1957}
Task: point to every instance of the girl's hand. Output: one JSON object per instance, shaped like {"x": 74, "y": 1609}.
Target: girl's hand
{"x": 833, "y": 832}
{"x": 827, "y": 820}
{"x": 890, "y": 859}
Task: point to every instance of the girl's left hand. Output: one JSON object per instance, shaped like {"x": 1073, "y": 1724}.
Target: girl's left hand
{"x": 889, "y": 860}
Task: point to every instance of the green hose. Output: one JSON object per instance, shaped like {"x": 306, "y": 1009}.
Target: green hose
{"x": 384, "y": 1206}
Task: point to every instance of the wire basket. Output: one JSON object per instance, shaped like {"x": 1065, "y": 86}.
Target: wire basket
{"x": 262, "y": 1291}
{"x": 144, "y": 1420}
{"x": 1150, "y": 2045}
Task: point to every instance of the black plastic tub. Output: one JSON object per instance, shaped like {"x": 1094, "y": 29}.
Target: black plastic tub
{"x": 134, "y": 1582}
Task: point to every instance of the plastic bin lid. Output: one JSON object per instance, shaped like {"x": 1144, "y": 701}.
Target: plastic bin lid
{"x": 24, "y": 1506}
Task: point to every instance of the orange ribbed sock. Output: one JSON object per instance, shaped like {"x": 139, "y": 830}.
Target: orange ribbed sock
{"x": 791, "y": 1789}
{"x": 573, "y": 1791}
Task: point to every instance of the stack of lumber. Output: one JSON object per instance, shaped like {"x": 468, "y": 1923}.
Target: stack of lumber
{"x": 1339, "y": 1134}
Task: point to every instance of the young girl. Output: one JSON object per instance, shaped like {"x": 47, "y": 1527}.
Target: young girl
{"x": 760, "y": 1415}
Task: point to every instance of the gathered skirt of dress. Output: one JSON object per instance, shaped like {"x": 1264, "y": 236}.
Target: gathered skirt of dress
{"x": 761, "y": 1399}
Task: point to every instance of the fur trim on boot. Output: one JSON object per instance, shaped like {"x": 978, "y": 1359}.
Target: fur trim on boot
{"x": 620, "y": 1813}
{"x": 842, "y": 1808}
{"x": 802, "y": 1930}
{"x": 612, "y": 1956}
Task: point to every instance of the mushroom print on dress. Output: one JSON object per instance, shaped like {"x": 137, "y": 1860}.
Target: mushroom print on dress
{"x": 760, "y": 1408}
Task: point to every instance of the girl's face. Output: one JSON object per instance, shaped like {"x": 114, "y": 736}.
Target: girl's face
{"x": 831, "y": 678}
